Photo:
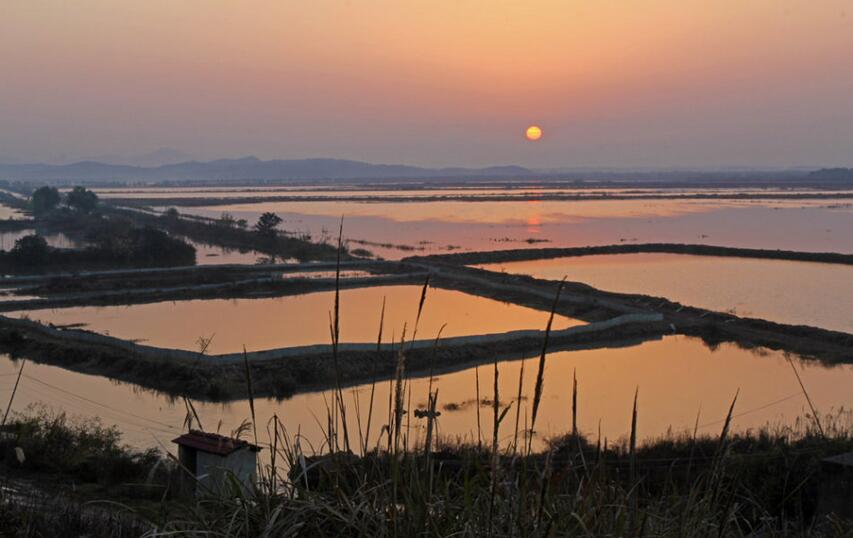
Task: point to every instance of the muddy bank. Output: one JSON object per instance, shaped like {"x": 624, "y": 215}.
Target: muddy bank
{"x": 194, "y": 269}
{"x": 526, "y": 254}
{"x": 181, "y": 277}
{"x": 281, "y": 373}
{"x": 273, "y": 286}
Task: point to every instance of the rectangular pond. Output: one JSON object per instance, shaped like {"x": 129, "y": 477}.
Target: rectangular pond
{"x": 297, "y": 320}
{"x": 394, "y": 229}
{"x": 678, "y": 379}
{"x": 799, "y": 293}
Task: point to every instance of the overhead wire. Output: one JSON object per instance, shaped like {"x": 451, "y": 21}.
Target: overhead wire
{"x": 106, "y": 406}
{"x": 40, "y": 394}
{"x": 166, "y": 428}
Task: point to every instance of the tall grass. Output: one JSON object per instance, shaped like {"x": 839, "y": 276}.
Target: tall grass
{"x": 758, "y": 483}
{"x": 746, "y": 484}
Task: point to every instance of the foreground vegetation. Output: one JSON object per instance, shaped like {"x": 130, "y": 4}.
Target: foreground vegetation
{"x": 66, "y": 478}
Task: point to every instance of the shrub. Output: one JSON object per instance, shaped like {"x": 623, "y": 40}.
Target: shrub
{"x": 30, "y": 250}
{"x": 44, "y": 199}
{"x": 85, "y": 450}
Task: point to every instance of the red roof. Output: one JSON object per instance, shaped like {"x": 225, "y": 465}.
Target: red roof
{"x": 213, "y": 443}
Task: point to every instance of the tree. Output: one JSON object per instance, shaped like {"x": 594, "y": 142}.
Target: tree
{"x": 226, "y": 220}
{"x": 267, "y": 223}
{"x": 44, "y": 199}
{"x": 30, "y": 250}
{"x": 82, "y": 200}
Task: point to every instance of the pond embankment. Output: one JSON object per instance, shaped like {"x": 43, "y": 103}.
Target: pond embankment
{"x": 282, "y": 372}
{"x": 612, "y": 318}
{"x": 585, "y": 302}
{"x": 526, "y": 254}
{"x": 253, "y": 288}
{"x": 195, "y": 282}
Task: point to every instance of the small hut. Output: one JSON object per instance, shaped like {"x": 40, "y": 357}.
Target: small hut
{"x": 212, "y": 458}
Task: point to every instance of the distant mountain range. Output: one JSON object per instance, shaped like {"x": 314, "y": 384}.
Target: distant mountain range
{"x": 252, "y": 169}
{"x": 158, "y": 157}
{"x": 247, "y": 168}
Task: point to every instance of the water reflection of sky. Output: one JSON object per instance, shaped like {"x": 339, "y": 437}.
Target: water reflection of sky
{"x": 678, "y": 379}
{"x": 433, "y": 227}
{"x": 58, "y": 240}
{"x": 294, "y": 320}
{"x": 798, "y": 293}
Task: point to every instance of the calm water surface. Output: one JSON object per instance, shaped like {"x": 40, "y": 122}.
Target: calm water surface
{"x": 678, "y": 378}
{"x": 214, "y": 255}
{"x": 429, "y": 227}
{"x": 799, "y": 293}
{"x": 301, "y": 319}
{"x": 58, "y": 240}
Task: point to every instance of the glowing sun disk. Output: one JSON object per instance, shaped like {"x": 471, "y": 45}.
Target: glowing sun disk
{"x": 533, "y": 133}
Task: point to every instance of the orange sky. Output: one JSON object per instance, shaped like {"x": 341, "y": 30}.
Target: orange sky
{"x": 613, "y": 83}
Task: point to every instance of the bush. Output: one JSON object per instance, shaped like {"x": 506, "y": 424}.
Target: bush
{"x": 84, "y": 450}
{"x": 30, "y": 250}
{"x": 150, "y": 246}
{"x": 119, "y": 241}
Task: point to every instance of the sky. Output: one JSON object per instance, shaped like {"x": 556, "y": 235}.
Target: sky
{"x": 612, "y": 83}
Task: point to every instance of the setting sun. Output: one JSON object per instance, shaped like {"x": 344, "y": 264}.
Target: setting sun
{"x": 256, "y": 247}
{"x": 534, "y": 132}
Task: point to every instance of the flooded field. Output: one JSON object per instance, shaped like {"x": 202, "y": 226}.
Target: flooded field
{"x": 7, "y": 212}
{"x": 58, "y": 240}
{"x": 678, "y": 379}
{"x": 300, "y": 319}
{"x": 675, "y": 375}
{"x": 394, "y": 230}
{"x": 215, "y": 255}
{"x": 799, "y": 293}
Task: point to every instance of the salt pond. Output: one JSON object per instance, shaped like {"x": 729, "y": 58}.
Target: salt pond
{"x": 678, "y": 378}
{"x": 800, "y": 293}
{"x": 402, "y": 229}
{"x": 300, "y": 319}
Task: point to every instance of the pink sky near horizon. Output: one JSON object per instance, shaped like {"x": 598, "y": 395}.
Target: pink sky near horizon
{"x": 612, "y": 83}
